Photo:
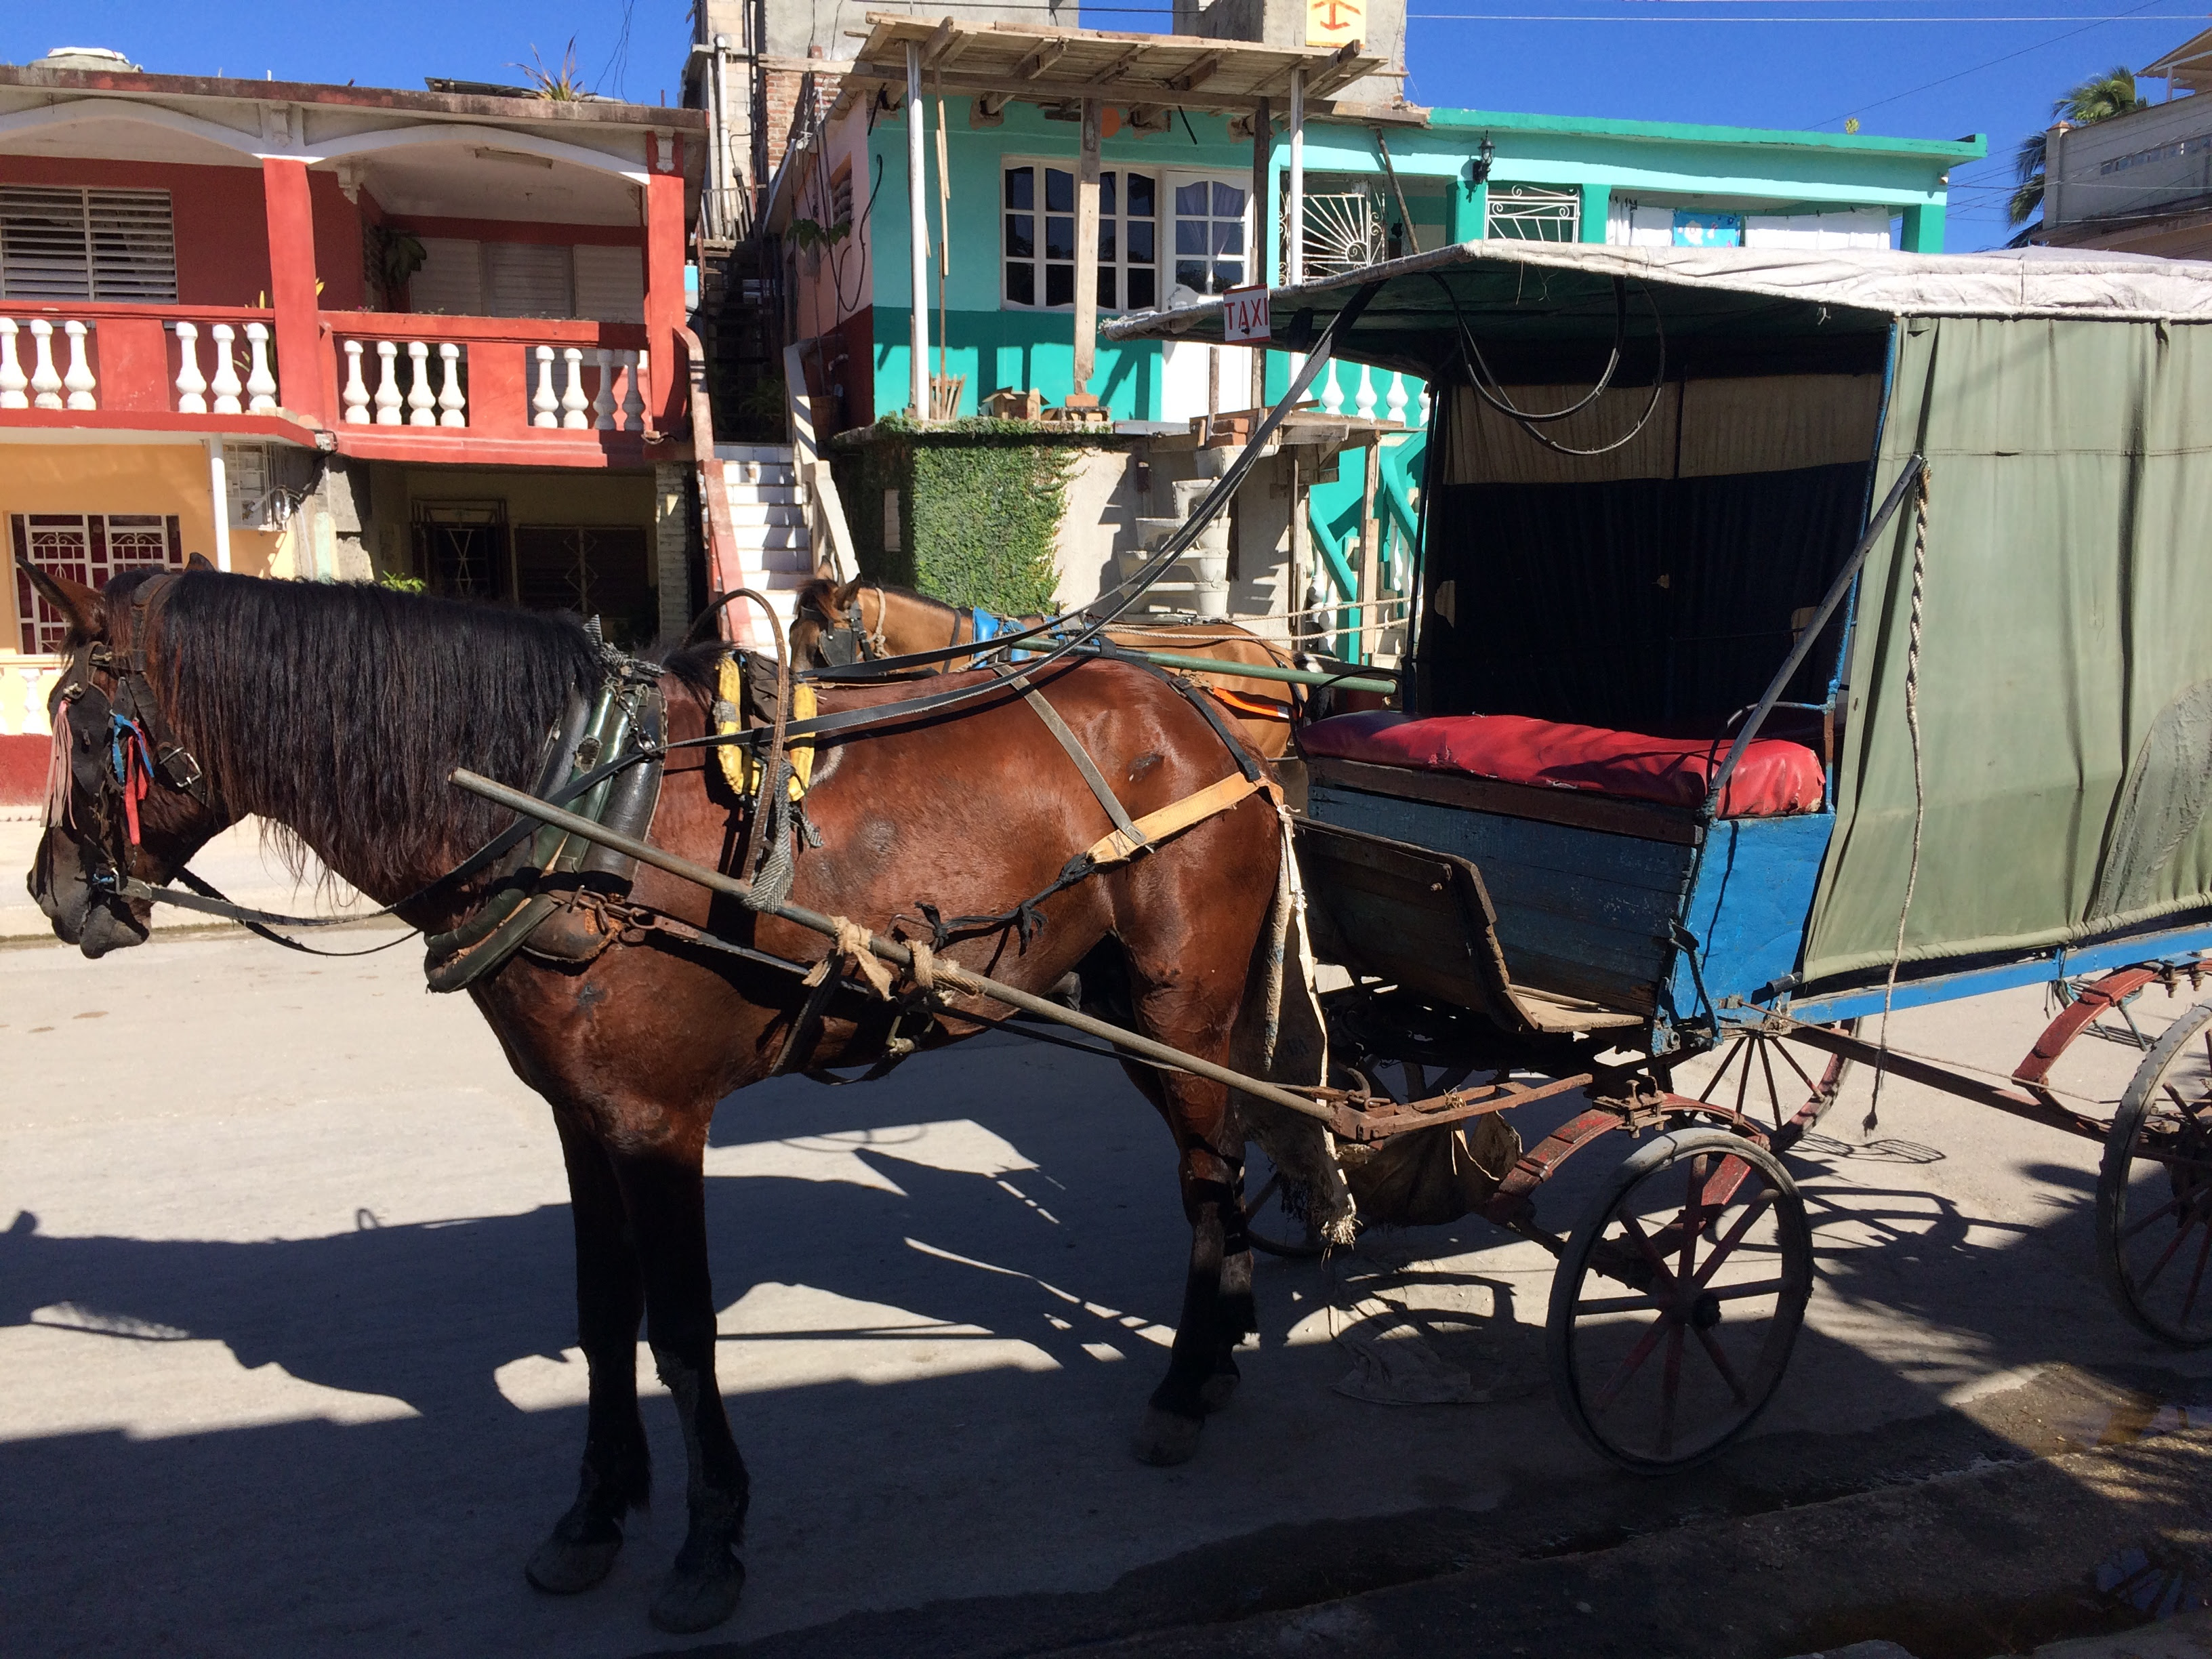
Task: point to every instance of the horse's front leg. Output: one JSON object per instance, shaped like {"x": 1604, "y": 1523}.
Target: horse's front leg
{"x": 1217, "y": 1301}
{"x": 610, "y": 1299}
{"x": 665, "y": 1192}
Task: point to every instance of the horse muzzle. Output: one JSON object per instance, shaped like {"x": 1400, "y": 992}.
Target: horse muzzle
{"x": 85, "y": 913}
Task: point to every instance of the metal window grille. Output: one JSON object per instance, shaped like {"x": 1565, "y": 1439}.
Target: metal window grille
{"x": 1522, "y": 213}
{"x": 61, "y": 242}
{"x": 88, "y": 548}
{"x": 1037, "y": 226}
{"x": 1344, "y": 231}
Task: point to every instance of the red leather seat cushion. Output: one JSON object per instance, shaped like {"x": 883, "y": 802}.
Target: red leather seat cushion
{"x": 1774, "y": 777}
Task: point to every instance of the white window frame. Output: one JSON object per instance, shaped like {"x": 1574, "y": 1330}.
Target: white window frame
{"x": 1179, "y": 178}
{"x": 1162, "y": 232}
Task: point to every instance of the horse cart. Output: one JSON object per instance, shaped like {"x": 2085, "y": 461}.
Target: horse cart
{"x": 1796, "y": 638}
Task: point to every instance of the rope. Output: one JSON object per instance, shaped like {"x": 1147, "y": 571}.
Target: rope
{"x": 1919, "y": 785}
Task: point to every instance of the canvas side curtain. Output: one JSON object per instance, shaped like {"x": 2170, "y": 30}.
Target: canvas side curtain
{"x": 2065, "y": 667}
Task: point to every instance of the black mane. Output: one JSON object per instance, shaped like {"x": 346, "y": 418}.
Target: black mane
{"x": 336, "y": 709}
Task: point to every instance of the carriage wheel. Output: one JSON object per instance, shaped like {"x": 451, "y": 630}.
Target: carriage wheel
{"x": 1679, "y": 1298}
{"x": 1273, "y": 1229}
{"x": 1761, "y": 1078}
{"x": 2154, "y": 1193}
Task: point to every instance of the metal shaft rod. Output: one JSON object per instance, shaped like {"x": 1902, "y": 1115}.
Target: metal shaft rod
{"x": 529, "y": 806}
{"x": 1263, "y": 670}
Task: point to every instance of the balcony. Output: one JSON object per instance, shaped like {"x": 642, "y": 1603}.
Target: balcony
{"x": 476, "y": 389}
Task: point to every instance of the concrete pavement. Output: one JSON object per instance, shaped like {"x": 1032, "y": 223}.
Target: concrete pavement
{"x": 286, "y": 1328}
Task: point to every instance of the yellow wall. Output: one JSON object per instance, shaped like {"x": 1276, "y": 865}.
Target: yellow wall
{"x": 164, "y": 479}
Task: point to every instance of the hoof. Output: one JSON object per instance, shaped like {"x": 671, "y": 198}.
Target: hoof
{"x": 1164, "y": 1439}
{"x": 1219, "y": 1389}
{"x": 691, "y": 1601}
{"x": 561, "y": 1567}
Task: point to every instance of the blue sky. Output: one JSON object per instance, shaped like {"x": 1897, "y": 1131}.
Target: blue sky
{"x": 1751, "y": 62}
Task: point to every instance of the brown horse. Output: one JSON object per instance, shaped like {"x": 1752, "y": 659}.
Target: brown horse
{"x": 883, "y": 620}
{"x": 336, "y": 712}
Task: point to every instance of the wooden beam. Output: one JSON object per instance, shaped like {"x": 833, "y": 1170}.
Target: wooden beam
{"x": 1087, "y": 245}
{"x": 1200, "y": 73}
{"x": 938, "y": 42}
{"x": 1113, "y": 71}
{"x": 1034, "y": 66}
{"x": 1341, "y": 69}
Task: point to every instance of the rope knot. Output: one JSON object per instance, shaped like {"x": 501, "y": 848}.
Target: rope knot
{"x": 852, "y": 949}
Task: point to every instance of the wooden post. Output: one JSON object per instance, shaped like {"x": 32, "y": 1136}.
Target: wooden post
{"x": 917, "y": 229}
{"x": 1370, "y": 548}
{"x": 1263, "y": 245}
{"x": 1297, "y": 261}
{"x": 1086, "y": 250}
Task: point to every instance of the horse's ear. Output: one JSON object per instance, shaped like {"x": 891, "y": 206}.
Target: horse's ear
{"x": 199, "y": 562}
{"x": 83, "y": 606}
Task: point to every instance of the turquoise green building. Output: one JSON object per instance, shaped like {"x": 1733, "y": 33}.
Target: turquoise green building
{"x": 1177, "y": 209}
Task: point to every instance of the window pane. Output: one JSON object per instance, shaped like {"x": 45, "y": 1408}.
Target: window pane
{"x": 1021, "y": 236}
{"x": 1190, "y": 198}
{"x": 1227, "y": 274}
{"x": 1142, "y": 294}
{"x": 1106, "y": 193}
{"x": 1191, "y": 274}
{"x": 1190, "y": 236}
{"x": 1060, "y": 285}
{"x": 1106, "y": 240}
{"x": 1140, "y": 242}
{"x": 1106, "y": 288}
{"x": 1228, "y": 238}
{"x": 1059, "y": 238}
{"x": 1140, "y": 195}
{"x": 1021, "y": 282}
{"x": 1228, "y": 200}
{"x": 1021, "y": 187}
{"x": 1059, "y": 190}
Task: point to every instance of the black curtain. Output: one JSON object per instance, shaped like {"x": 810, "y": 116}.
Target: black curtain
{"x": 1648, "y": 605}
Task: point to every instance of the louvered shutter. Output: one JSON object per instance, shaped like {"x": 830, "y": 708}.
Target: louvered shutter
{"x": 525, "y": 279}
{"x": 64, "y": 243}
{"x": 611, "y": 284}
{"x": 450, "y": 281}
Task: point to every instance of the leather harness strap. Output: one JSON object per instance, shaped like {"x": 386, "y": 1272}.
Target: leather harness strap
{"x": 1173, "y": 819}
{"x": 1124, "y": 825}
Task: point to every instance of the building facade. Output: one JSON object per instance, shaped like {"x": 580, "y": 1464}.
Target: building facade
{"x": 341, "y": 332}
{"x": 2140, "y": 183}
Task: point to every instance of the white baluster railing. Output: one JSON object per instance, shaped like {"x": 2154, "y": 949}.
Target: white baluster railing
{"x": 45, "y": 383}
{"x": 13, "y": 381}
{"x": 356, "y": 395}
{"x": 260, "y": 384}
{"x": 79, "y": 379}
{"x": 573, "y": 402}
{"x": 26, "y": 717}
{"x": 634, "y": 364}
{"x": 192, "y": 385}
{"x": 1394, "y": 404}
{"x": 387, "y": 385}
{"x": 1363, "y": 405}
{"x": 453, "y": 403}
{"x": 1331, "y": 394}
{"x": 226, "y": 385}
{"x": 1425, "y": 406}
{"x": 420, "y": 399}
{"x": 545, "y": 406}
{"x": 603, "y": 405}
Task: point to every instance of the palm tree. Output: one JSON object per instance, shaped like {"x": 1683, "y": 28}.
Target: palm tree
{"x": 2099, "y": 98}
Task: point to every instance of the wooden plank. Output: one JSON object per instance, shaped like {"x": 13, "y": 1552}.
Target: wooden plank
{"x": 1488, "y": 837}
{"x": 1613, "y": 814}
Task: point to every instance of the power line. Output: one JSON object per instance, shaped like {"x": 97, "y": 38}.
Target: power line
{"x": 1962, "y": 74}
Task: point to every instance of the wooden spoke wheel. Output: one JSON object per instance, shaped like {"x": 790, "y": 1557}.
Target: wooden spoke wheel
{"x": 1779, "y": 1084}
{"x": 2154, "y": 1194}
{"x": 1274, "y": 1227}
{"x": 1678, "y": 1299}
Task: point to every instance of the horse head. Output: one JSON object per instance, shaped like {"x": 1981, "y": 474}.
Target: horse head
{"x": 124, "y": 798}
{"x": 828, "y": 627}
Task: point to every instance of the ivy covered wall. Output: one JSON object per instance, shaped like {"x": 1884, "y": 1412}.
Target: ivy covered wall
{"x": 968, "y": 512}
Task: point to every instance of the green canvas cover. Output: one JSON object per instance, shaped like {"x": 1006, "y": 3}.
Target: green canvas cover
{"x": 2065, "y": 674}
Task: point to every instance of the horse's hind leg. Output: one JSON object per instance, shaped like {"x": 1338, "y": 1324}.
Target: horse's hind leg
{"x": 610, "y": 1299}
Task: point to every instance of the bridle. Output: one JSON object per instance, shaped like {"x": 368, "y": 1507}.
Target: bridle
{"x": 845, "y": 642}
{"x": 112, "y": 742}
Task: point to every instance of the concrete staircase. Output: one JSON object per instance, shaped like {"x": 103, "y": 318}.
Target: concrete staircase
{"x": 768, "y": 524}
